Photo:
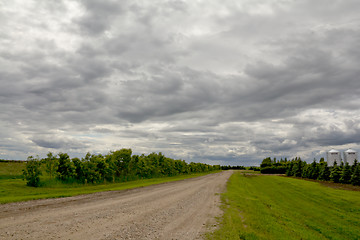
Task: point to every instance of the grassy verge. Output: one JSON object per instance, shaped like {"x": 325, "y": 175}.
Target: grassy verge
{"x": 274, "y": 207}
{"x": 15, "y": 190}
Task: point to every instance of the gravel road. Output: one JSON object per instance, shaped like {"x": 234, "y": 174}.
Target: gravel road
{"x": 177, "y": 210}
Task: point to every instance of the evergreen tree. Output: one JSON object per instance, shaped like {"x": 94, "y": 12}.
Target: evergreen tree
{"x": 335, "y": 173}
{"x": 314, "y": 170}
{"x": 354, "y": 166}
{"x": 341, "y": 165}
{"x": 324, "y": 172}
{"x": 355, "y": 177}
{"x": 289, "y": 168}
{"x": 345, "y": 174}
{"x": 297, "y": 168}
{"x": 306, "y": 172}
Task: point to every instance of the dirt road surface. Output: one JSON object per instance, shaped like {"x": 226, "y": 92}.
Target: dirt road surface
{"x": 177, "y": 210}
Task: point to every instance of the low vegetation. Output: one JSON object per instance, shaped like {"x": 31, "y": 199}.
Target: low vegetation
{"x": 276, "y": 207}
{"x": 59, "y": 176}
{"x": 117, "y": 166}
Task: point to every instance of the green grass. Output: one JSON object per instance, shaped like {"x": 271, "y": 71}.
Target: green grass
{"x": 14, "y": 189}
{"x": 11, "y": 170}
{"x": 275, "y": 207}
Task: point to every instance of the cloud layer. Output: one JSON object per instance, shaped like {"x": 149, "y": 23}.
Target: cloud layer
{"x": 227, "y": 82}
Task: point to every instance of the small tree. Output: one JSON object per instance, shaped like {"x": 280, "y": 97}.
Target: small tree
{"x": 353, "y": 167}
{"x": 66, "y": 168}
{"x": 314, "y": 170}
{"x": 324, "y": 172}
{"x": 355, "y": 177}
{"x": 50, "y": 164}
{"x": 32, "y": 172}
{"x": 346, "y": 174}
{"x": 298, "y": 168}
{"x": 335, "y": 173}
{"x": 289, "y": 168}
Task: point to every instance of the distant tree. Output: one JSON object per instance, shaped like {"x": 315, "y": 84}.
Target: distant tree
{"x": 144, "y": 169}
{"x": 91, "y": 175}
{"x": 121, "y": 159}
{"x": 133, "y": 165}
{"x": 102, "y": 167}
{"x": 289, "y": 168}
{"x": 266, "y": 162}
{"x": 306, "y": 172}
{"x": 50, "y": 164}
{"x": 345, "y": 174}
{"x": 354, "y": 165}
{"x": 79, "y": 174}
{"x": 324, "y": 172}
{"x": 298, "y": 168}
{"x": 355, "y": 177}
{"x": 341, "y": 165}
{"x": 32, "y": 172}
{"x": 335, "y": 173}
{"x": 181, "y": 167}
{"x": 66, "y": 168}
{"x": 314, "y": 170}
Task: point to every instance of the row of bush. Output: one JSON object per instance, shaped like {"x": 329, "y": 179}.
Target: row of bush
{"x": 117, "y": 166}
{"x": 343, "y": 173}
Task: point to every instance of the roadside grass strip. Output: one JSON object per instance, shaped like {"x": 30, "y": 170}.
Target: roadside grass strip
{"x": 14, "y": 189}
{"x": 276, "y": 207}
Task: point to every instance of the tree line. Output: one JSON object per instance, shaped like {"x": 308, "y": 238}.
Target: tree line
{"x": 342, "y": 173}
{"x": 117, "y": 166}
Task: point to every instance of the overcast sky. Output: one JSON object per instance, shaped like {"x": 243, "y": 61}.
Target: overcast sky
{"x": 220, "y": 82}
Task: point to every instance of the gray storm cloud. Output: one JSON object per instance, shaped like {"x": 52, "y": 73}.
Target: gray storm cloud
{"x": 219, "y": 82}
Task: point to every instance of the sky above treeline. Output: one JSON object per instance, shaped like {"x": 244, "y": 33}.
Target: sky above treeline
{"x": 220, "y": 82}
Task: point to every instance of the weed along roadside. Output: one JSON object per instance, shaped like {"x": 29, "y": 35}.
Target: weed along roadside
{"x": 276, "y": 207}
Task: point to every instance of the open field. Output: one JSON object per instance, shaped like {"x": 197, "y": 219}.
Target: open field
{"x": 176, "y": 210}
{"x": 11, "y": 170}
{"x": 275, "y": 207}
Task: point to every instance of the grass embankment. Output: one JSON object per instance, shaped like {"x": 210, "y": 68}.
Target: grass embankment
{"x": 275, "y": 207}
{"x": 14, "y": 189}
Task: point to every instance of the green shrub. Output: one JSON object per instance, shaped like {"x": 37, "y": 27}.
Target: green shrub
{"x": 32, "y": 172}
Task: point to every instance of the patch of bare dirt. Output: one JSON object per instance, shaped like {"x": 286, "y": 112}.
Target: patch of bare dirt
{"x": 177, "y": 210}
